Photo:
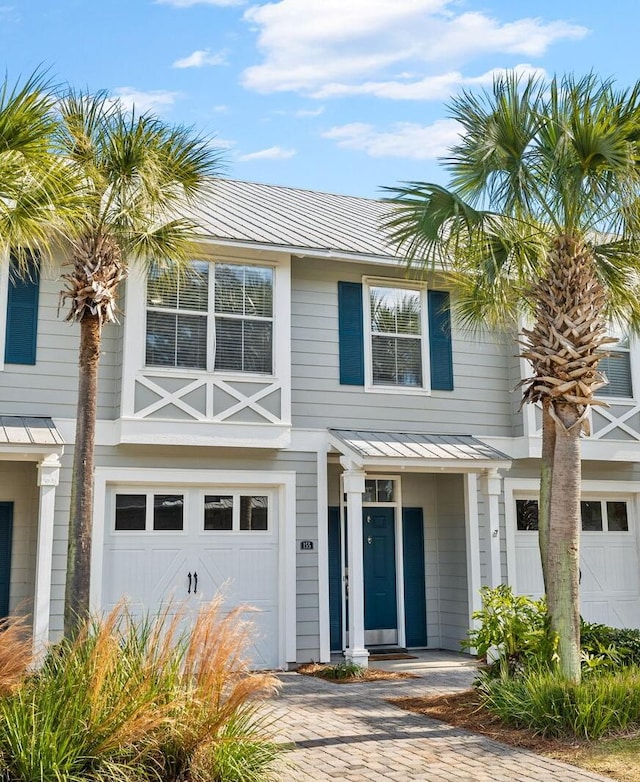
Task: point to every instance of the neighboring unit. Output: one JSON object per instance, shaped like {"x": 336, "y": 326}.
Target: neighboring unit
{"x": 298, "y": 424}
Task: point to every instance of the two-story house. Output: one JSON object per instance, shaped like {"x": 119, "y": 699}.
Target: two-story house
{"x": 300, "y": 425}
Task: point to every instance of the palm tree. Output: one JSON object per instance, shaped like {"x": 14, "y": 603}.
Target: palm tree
{"x": 36, "y": 189}
{"x": 542, "y": 221}
{"x": 136, "y": 172}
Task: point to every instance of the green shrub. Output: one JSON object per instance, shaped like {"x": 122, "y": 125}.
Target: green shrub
{"x": 610, "y": 647}
{"x": 546, "y": 703}
{"x": 344, "y": 670}
{"x": 514, "y": 627}
{"x": 133, "y": 701}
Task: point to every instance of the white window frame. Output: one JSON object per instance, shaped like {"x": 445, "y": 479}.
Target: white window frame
{"x": 236, "y": 493}
{"x": 383, "y": 282}
{"x": 150, "y": 493}
{"x": 603, "y": 499}
{"x": 210, "y": 316}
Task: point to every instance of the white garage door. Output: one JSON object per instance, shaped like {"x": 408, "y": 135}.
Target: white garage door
{"x": 609, "y": 561}
{"x": 185, "y": 545}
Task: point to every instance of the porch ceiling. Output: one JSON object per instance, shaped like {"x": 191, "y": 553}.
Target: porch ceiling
{"x": 417, "y": 450}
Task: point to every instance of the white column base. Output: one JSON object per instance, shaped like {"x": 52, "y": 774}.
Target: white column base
{"x": 358, "y": 657}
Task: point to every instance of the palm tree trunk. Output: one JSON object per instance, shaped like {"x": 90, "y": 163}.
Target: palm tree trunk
{"x": 76, "y": 607}
{"x": 563, "y": 543}
{"x": 546, "y": 483}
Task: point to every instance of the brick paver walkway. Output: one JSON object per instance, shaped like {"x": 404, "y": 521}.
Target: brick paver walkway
{"x": 349, "y": 732}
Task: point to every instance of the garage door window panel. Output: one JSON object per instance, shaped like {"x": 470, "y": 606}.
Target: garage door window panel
{"x": 168, "y": 512}
{"x": 236, "y": 511}
{"x": 254, "y": 513}
{"x": 218, "y": 513}
{"x": 617, "y": 518}
{"x": 131, "y": 512}
{"x": 597, "y": 515}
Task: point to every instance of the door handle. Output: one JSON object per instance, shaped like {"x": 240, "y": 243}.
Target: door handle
{"x": 189, "y": 589}
{"x": 195, "y": 582}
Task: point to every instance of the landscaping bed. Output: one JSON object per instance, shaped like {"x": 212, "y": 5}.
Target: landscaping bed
{"x": 617, "y": 757}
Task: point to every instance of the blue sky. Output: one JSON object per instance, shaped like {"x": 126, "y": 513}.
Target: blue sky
{"x": 336, "y": 95}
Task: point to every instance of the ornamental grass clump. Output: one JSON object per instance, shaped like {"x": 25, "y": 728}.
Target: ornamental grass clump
{"x": 544, "y": 702}
{"x": 16, "y": 653}
{"x": 141, "y": 700}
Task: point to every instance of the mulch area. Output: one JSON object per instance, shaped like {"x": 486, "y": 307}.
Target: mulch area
{"x": 463, "y": 709}
{"x": 367, "y": 674}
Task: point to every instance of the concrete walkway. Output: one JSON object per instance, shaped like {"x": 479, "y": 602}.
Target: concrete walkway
{"x": 349, "y": 732}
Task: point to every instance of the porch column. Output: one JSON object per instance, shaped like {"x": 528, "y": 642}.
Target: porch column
{"x": 473, "y": 544}
{"x": 48, "y": 479}
{"x": 353, "y": 483}
{"x": 491, "y": 487}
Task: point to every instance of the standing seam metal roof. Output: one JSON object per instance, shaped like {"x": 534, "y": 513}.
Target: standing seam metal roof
{"x": 413, "y": 445}
{"x": 232, "y": 210}
{"x": 28, "y": 430}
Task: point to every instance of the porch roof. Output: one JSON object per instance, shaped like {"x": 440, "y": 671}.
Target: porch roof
{"x": 418, "y": 450}
{"x": 28, "y": 431}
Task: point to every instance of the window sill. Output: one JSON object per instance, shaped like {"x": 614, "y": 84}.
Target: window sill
{"x": 403, "y": 390}
{"x": 199, "y": 373}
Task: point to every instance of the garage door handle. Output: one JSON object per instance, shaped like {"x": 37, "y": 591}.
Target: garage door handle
{"x": 189, "y": 589}
{"x": 195, "y": 582}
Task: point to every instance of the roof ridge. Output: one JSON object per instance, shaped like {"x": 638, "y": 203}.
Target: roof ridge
{"x": 297, "y": 189}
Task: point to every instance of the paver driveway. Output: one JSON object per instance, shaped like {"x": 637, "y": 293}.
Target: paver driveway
{"x": 349, "y": 732}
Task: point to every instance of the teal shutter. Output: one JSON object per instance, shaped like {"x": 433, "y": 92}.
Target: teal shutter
{"x": 440, "y": 353}
{"x": 22, "y": 318}
{"x": 6, "y": 530}
{"x": 351, "y": 333}
{"x": 335, "y": 581}
{"x": 415, "y": 603}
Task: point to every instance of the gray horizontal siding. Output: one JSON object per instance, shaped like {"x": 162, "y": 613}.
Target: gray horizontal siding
{"x": 480, "y": 404}
{"x": 50, "y": 386}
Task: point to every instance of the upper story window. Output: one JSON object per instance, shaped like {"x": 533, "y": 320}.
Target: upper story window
{"x": 394, "y": 337}
{"x": 617, "y": 367}
{"x": 243, "y": 318}
{"x": 396, "y": 318}
{"x": 213, "y": 316}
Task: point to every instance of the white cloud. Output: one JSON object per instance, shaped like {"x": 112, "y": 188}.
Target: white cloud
{"x": 155, "y": 100}
{"x": 438, "y": 87}
{"x": 318, "y": 47}
{"x": 271, "y": 153}
{"x": 404, "y": 139}
{"x": 223, "y": 143}
{"x": 221, "y": 109}
{"x": 202, "y": 57}
{"x": 310, "y": 112}
{"x": 189, "y": 3}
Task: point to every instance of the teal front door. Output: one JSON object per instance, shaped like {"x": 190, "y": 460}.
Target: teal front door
{"x": 379, "y": 559}
{"x": 6, "y": 533}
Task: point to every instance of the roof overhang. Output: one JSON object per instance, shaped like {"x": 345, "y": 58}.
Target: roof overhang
{"x": 416, "y": 451}
{"x": 28, "y": 438}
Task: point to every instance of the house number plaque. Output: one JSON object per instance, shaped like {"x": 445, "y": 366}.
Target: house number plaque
{"x": 306, "y": 545}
